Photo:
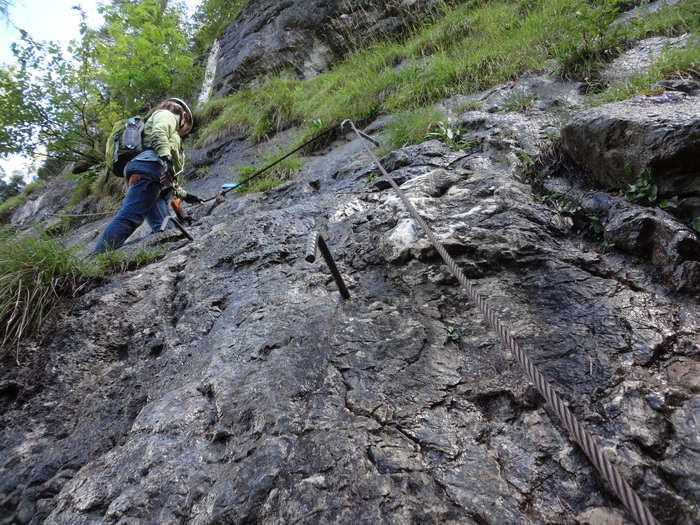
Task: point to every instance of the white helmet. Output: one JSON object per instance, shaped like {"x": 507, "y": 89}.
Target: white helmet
{"x": 185, "y": 108}
{"x": 180, "y": 103}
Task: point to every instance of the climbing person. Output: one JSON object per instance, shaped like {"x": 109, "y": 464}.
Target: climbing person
{"x": 151, "y": 176}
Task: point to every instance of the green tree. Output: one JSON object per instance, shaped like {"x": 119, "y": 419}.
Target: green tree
{"x": 15, "y": 116}
{"x": 145, "y": 52}
{"x": 10, "y": 188}
{"x": 211, "y": 18}
{"x": 54, "y": 103}
{"x": 61, "y": 104}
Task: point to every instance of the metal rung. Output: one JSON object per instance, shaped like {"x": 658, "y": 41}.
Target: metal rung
{"x": 177, "y": 224}
{"x": 316, "y": 241}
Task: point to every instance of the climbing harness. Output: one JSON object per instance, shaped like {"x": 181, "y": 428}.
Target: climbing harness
{"x": 629, "y": 498}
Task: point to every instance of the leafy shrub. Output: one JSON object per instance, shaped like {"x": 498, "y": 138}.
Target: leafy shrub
{"x": 644, "y": 192}
{"x": 449, "y": 133}
{"x": 642, "y": 188}
{"x": 597, "y": 40}
{"x": 84, "y": 183}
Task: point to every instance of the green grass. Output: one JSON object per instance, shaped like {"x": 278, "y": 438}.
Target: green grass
{"x": 281, "y": 172}
{"x": 470, "y": 47}
{"x": 84, "y": 184}
{"x": 111, "y": 262}
{"x": 518, "y": 100}
{"x": 412, "y": 126}
{"x": 36, "y": 272}
{"x": 680, "y": 63}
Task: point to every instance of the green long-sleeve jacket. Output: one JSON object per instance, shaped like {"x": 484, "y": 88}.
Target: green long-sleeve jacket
{"x": 160, "y": 136}
{"x": 160, "y": 133}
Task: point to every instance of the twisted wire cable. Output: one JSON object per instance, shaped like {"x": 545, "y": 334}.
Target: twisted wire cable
{"x": 629, "y": 498}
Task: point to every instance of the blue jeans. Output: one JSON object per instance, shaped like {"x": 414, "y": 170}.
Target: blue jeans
{"x": 144, "y": 200}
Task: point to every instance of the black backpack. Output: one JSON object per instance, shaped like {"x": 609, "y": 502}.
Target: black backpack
{"x": 124, "y": 143}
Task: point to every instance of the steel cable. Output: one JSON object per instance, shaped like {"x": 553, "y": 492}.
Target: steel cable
{"x": 629, "y": 498}
{"x": 264, "y": 169}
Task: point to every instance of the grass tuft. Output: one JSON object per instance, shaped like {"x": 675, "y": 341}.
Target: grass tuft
{"x": 111, "y": 262}
{"x": 409, "y": 127}
{"x": 282, "y": 172}
{"x": 674, "y": 64}
{"x": 471, "y": 46}
{"x": 36, "y": 272}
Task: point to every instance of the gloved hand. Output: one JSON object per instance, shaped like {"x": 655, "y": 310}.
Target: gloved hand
{"x": 167, "y": 162}
{"x": 192, "y": 199}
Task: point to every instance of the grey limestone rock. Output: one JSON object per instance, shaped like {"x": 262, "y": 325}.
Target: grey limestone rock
{"x": 303, "y": 38}
{"x": 660, "y": 133}
{"x": 230, "y": 383}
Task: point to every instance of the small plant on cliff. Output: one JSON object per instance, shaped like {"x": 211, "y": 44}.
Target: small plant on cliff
{"x": 594, "y": 225}
{"x": 568, "y": 210}
{"x": 452, "y": 334}
{"x": 606, "y": 246}
{"x": 642, "y": 189}
{"x": 35, "y": 273}
{"x": 449, "y": 133}
{"x": 518, "y": 100}
{"x": 373, "y": 176}
{"x": 644, "y": 192}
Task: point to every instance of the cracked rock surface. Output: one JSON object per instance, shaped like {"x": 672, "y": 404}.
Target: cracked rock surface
{"x": 303, "y": 38}
{"x": 230, "y": 383}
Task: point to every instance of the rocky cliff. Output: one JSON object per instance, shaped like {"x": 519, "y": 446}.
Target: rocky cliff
{"x": 231, "y": 383}
{"x": 305, "y": 37}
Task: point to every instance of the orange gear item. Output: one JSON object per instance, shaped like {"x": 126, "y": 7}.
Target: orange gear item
{"x": 181, "y": 213}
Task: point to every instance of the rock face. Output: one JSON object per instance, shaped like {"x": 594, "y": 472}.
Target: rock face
{"x": 302, "y": 38}
{"x": 44, "y": 207}
{"x": 660, "y": 133}
{"x": 229, "y": 383}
